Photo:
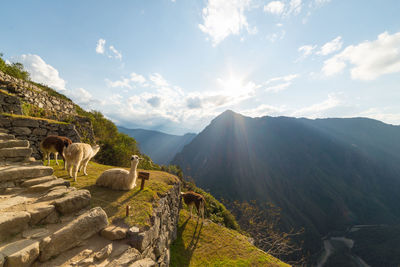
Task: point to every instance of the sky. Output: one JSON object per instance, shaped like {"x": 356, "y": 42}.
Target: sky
{"x": 174, "y": 65}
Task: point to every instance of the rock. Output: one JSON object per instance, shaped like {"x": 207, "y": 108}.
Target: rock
{"x": 55, "y": 193}
{"x": 47, "y": 185}
{"x": 13, "y": 222}
{"x": 39, "y": 132}
{"x": 147, "y": 262}
{"x": 21, "y": 131}
{"x": 113, "y": 232}
{"x": 14, "y": 143}
{"x": 40, "y": 180}
{"x": 103, "y": 253}
{"x": 4, "y": 136}
{"x": 118, "y": 250}
{"x": 131, "y": 255}
{"x": 25, "y": 172}
{"x": 21, "y": 253}
{"x": 73, "y": 233}
{"x": 86, "y": 262}
{"x": 75, "y": 200}
{"x": 39, "y": 212}
{"x": 14, "y": 152}
{"x": 37, "y": 233}
{"x": 25, "y": 123}
{"x": 2, "y": 259}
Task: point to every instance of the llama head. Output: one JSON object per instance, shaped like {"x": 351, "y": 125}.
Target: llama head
{"x": 95, "y": 149}
{"x": 135, "y": 158}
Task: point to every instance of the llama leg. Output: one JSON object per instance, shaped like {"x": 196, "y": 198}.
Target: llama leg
{"x": 85, "y": 166}
{"x": 48, "y": 158}
{"x": 75, "y": 171}
{"x": 69, "y": 168}
{"x": 55, "y": 157}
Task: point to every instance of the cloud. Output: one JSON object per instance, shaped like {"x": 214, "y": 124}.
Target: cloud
{"x": 84, "y": 98}
{"x": 369, "y": 59}
{"x": 275, "y": 7}
{"x": 330, "y": 47}
{"x": 281, "y": 83}
{"x": 135, "y": 79}
{"x": 306, "y": 50}
{"x": 223, "y": 18}
{"x": 293, "y": 7}
{"x": 154, "y": 101}
{"x": 42, "y": 72}
{"x": 100, "y": 46}
{"x": 263, "y": 110}
{"x": 116, "y": 53}
{"x": 112, "y": 52}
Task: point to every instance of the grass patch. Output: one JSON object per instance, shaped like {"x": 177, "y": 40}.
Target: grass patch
{"x": 209, "y": 244}
{"x": 32, "y": 118}
{"x": 114, "y": 202}
{"x": 5, "y": 92}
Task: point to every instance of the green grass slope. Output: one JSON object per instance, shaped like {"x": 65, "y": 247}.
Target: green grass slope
{"x": 114, "y": 202}
{"x": 209, "y": 244}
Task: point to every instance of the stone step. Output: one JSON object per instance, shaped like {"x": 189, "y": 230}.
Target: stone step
{"x": 47, "y": 185}
{"x": 72, "y": 202}
{"x": 55, "y": 193}
{"x": 40, "y": 180}
{"x": 12, "y": 223}
{"x": 72, "y": 235}
{"x": 15, "y": 152}
{"x": 42, "y": 213}
{"x": 14, "y": 143}
{"x": 20, "y": 253}
{"x": 11, "y": 173}
{"x": 5, "y": 136}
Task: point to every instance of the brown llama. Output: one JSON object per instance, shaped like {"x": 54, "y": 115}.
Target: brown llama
{"x": 54, "y": 144}
{"x": 191, "y": 198}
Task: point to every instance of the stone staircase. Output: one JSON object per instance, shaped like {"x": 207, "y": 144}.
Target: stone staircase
{"x": 45, "y": 222}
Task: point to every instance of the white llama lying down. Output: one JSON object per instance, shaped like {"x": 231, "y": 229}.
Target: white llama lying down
{"x": 120, "y": 179}
{"x": 78, "y": 155}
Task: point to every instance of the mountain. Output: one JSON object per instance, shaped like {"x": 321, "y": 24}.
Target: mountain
{"x": 325, "y": 174}
{"x": 161, "y": 147}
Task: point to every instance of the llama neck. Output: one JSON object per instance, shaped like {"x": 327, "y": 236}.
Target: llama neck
{"x": 132, "y": 171}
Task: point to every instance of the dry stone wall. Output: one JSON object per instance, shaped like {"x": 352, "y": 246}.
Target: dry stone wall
{"x": 34, "y": 95}
{"x": 153, "y": 243}
{"x": 10, "y": 104}
{"x": 34, "y": 130}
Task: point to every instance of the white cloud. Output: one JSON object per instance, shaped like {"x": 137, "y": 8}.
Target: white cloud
{"x": 264, "y": 110}
{"x": 42, "y": 72}
{"x": 223, "y": 18}
{"x": 306, "y": 50}
{"x": 330, "y": 47}
{"x": 100, "y": 46}
{"x": 84, "y": 98}
{"x": 137, "y": 78}
{"x": 294, "y": 7}
{"x": 275, "y": 7}
{"x": 277, "y": 84}
{"x": 116, "y": 53}
{"x": 276, "y": 36}
{"x": 369, "y": 59}
{"x": 321, "y": 2}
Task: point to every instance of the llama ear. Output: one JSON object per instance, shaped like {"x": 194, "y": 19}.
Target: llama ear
{"x": 66, "y": 144}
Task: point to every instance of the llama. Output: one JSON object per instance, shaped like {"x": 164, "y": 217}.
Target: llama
{"x": 54, "y": 144}
{"x": 191, "y": 198}
{"x": 120, "y": 179}
{"x": 77, "y": 155}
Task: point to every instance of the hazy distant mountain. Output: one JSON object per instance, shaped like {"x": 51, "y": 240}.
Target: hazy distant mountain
{"x": 161, "y": 147}
{"x": 325, "y": 174}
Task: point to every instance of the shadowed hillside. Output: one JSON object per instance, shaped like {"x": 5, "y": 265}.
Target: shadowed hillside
{"x": 324, "y": 174}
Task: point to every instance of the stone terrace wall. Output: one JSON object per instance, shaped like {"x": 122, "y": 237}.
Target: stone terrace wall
{"x": 155, "y": 241}
{"x": 34, "y": 95}
{"x": 34, "y": 130}
{"x": 10, "y": 104}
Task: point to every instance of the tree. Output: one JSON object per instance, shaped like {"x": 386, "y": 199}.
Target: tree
{"x": 262, "y": 223}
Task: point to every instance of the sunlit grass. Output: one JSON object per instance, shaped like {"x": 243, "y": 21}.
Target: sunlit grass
{"x": 114, "y": 202}
{"x": 210, "y": 244}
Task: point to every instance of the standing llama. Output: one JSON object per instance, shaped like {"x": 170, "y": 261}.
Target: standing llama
{"x": 54, "y": 144}
{"x": 120, "y": 179}
{"x": 77, "y": 155}
{"x": 194, "y": 199}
